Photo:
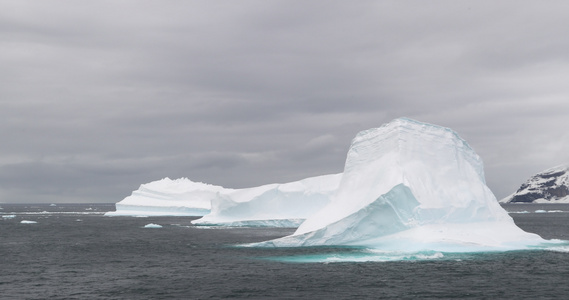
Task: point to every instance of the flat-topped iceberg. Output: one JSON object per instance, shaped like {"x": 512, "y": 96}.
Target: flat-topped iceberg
{"x": 411, "y": 186}
{"x": 166, "y": 197}
{"x": 275, "y": 205}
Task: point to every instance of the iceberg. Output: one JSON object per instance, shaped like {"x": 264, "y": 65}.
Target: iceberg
{"x": 274, "y": 205}
{"x": 411, "y": 186}
{"x": 166, "y": 197}
{"x": 271, "y": 205}
{"x": 152, "y": 225}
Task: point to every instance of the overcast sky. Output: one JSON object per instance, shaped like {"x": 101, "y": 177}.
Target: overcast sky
{"x": 98, "y": 97}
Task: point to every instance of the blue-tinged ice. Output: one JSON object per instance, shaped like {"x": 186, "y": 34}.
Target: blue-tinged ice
{"x": 273, "y": 205}
{"x": 412, "y": 186}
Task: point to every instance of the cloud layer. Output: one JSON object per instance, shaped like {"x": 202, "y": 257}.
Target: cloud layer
{"x": 99, "y": 97}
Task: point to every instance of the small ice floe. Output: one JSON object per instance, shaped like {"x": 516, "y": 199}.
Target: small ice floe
{"x": 27, "y": 222}
{"x": 78, "y": 220}
{"x": 8, "y": 216}
{"x": 152, "y": 225}
{"x": 540, "y": 211}
{"x": 53, "y": 204}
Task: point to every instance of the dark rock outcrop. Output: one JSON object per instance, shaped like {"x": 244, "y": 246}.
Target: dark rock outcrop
{"x": 551, "y": 185}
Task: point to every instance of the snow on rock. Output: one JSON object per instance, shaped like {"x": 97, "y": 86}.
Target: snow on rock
{"x": 549, "y": 186}
{"x": 166, "y": 197}
{"x": 275, "y": 205}
{"x": 410, "y": 186}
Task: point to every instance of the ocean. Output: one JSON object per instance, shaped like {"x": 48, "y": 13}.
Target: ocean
{"x": 72, "y": 251}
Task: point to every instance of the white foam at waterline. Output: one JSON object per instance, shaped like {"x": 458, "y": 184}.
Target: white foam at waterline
{"x": 27, "y": 222}
{"x": 378, "y": 255}
{"x": 214, "y": 227}
{"x": 362, "y": 256}
{"x": 8, "y": 216}
{"x": 152, "y": 225}
{"x": 281, "y": 223}
{"x": 563, "y": 249}
{"x": 539, "y": 211}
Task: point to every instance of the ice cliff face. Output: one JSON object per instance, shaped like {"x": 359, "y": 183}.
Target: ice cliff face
{"x": 179, "y": 197}
{"x": 411, "y": 185}
{"x": 278, "y": 205}
{"x": 549, "y": 186}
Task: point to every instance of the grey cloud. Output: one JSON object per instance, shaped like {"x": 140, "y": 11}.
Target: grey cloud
{"x": 107, "y": 95}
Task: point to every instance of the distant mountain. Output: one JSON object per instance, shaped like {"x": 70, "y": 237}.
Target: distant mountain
{"x": 549, "y": 186}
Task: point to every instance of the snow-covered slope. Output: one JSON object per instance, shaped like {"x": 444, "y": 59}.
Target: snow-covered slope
{"x": 549, "y": 186}
{"x": 166, "y": 197}
{"x": 411, "y": 186}
{"x": 278, "y": 205}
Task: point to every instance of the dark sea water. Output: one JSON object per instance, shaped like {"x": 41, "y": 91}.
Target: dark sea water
{"x": 74, "y": 252}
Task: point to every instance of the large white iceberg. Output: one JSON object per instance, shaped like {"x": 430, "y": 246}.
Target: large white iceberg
{"x": 278, "y": 205}
{"x": 167, "y": 197}
{"x": 411, "y": 186}
{"x": 275, "y": 205}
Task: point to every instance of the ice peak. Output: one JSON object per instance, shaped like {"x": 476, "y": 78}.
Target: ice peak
{"x": 419, "y": 180}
